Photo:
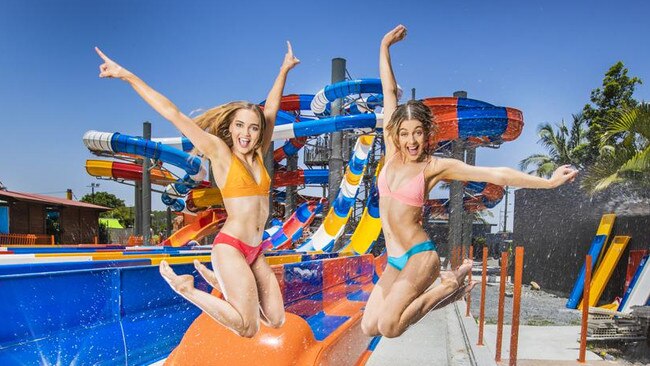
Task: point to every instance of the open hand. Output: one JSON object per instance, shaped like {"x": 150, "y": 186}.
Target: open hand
{"x": 290, "y": 61}
{"x": 563, "y": 174}
{"x": 394, "y": 36}
{"x": 109, "y": 69}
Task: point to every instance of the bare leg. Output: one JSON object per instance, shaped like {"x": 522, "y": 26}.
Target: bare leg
{"x": 408, "y": 301}
{"x": 268, "y": 289}
{"x": 238, "y": 311}
{"x": 372, "y": 312}
{"x": 209, "y": 276}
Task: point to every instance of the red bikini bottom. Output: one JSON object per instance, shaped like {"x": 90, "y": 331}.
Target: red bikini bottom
{"x": 250, "y": 253}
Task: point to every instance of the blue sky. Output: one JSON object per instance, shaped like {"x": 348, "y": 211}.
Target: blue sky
{"x": 542, "y": 57}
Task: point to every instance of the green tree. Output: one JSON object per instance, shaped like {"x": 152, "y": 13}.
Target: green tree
{"x": 125, "y": 215}
{"x": 614, "y": 96}
{"x": 103, "y": 199}
{"x": 624, "y": 151}
{"x": 563, "y": 145}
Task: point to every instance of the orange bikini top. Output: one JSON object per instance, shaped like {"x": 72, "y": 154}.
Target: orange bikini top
{"x": 240, "y": 183}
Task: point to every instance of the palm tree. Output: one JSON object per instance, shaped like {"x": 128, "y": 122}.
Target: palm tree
{"x": 625, "y": 151}
{"x": 564, "y": 146}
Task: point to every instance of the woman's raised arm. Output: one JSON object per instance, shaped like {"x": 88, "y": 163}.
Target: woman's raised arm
{"x": 211, "y": 146}
{"x": 388, "y": 83}
{"x": 272, "y": 104}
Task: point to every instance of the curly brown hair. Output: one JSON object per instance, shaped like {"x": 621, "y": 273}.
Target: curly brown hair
{"x": 413, "y": 109}
{"x": 217, "y": 120}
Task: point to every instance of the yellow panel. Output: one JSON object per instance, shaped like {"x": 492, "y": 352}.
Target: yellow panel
{"x": 604, "y": 228}
{"x": 99, "y": 168}
{"x": 604, "y": 271}
{"x": 333, "y": 223}
{"x": 366, "y": 233}
{"x": 282, "y": 259}
{"x": 366, "y": 139}
{"x": 606, "y": 223}
{"x": 353, "y": 179}
{"x": 130, "y": 256}
{"x": 181, "y": 260}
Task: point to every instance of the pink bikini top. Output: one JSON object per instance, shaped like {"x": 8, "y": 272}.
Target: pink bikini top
{"x": 411, "y": 193}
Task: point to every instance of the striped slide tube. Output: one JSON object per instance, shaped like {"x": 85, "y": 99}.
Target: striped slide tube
{"x": 292, "y": 229}
{"x": 119, "y": 143}
{"x": 339, "y": 213}
{"x": 367, "y": 231}
{"x": 346, "y": 88}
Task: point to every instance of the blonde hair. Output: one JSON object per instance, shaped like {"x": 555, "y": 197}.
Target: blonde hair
{"x": 218, "y": 119}
{"x": 416, "y": 110}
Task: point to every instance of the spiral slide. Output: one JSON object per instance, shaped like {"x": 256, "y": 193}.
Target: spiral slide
{"x": 369, "y": 227}
{"x": 126, "y": 171}
{"x": 208, "y": 222}
{"x": 339, "y": 213}
{"x": 293, "y": 228}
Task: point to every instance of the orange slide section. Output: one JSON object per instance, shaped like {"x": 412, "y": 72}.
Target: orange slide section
{"x": 276, "y": 346}
{"x": 208, "y": 222}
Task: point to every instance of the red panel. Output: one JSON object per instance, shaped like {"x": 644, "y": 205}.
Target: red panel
{"x": 445, "y": 117}
{"x": 279, "y": 155}
{"x": 290, "y": 103}
{"x": 515, "y": 124}
{"x": 493, "y": 192}
{"x": 632, "y": 264}
{"x": 292, "y": 178}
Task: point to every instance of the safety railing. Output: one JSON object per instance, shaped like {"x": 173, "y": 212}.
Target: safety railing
{"x": 26, "y": 239}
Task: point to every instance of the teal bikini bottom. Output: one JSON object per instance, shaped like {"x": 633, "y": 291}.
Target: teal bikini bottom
{"x": 400, "y": 262}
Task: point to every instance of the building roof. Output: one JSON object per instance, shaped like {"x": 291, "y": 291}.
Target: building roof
{"x": 48, "y": 200}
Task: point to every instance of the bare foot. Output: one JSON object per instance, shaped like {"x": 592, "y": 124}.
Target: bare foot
{"x": 209, "y": 276}
{"x": 182, "y": 284}
{"x": 456, "y": 278}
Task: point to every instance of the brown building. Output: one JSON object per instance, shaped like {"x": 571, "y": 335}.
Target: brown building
{"x": 71, "y": 222}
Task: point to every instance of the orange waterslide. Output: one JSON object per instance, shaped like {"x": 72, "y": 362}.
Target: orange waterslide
{"x": 208, "y": 222}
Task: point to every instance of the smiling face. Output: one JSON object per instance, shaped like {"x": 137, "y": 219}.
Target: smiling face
{"x": 411, "y": 126}
{"x": 246, "y": 131}
{"x": 411, "y": 139}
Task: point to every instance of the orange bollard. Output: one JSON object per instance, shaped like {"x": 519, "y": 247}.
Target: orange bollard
{"x": 52, "y": 239}
{"x": 96, "y": 239}
{"x": 468, "y": 299}
{"x": 481, "y": 318}
{"x": 502, "y": 297}
{"x": 516, "y": 305}
{"x": 585, "y": 312}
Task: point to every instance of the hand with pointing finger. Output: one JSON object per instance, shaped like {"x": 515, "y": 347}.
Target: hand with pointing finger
{"x": 290, "y": 61}
{"x": 110, "y": 68}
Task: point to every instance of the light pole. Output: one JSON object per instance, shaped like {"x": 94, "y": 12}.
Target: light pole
{"x": 92, "y": 190}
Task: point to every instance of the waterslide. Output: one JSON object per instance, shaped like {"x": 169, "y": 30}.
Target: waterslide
{"x": 208, "y": 222}
{"x": 369, "y": 227}
{"x": 340, "y": 210}
{"x": 457, "y": 118}
{"x": 126, "y": 171}
{"x": 293, "y": 228}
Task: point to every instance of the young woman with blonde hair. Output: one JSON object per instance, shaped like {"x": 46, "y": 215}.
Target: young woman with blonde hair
{"x": 404, "y": 293}
{"x": 234, "y": 137}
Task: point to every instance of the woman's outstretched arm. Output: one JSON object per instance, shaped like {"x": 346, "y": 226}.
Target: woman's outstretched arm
{"x": 211, "y": 146}
{"x": 388, "y": 83}
{"x": 272, "y": 104}
{"x": 453, "y": 169}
